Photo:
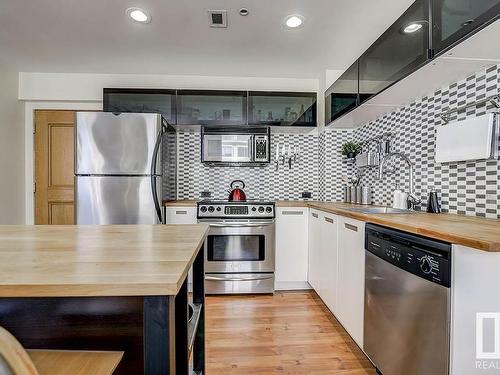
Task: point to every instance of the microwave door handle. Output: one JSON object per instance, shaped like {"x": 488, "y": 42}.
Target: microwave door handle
{"x": 251, "y": 142}
{"x": 250, "y": 148}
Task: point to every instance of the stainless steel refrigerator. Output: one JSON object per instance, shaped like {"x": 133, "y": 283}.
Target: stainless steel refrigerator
{"x": 122, "y": 162}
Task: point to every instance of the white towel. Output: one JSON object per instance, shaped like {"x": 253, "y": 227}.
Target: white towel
{"x": 470, "y": 139}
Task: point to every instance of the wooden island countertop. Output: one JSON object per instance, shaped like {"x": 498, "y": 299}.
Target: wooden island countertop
{"x": 92, "y": 261}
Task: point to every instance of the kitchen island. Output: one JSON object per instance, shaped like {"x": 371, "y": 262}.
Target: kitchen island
{"x": 114, "y": 287}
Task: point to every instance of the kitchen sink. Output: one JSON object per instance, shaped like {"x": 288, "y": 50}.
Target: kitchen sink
{"x": 381, "y": 210}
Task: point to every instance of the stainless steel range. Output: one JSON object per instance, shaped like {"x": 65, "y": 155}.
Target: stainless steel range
{"x": 239, "y": 251}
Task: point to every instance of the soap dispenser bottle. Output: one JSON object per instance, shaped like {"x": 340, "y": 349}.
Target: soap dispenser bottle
{"x": 399, "y": 199}
{"x": 433, "y": 202}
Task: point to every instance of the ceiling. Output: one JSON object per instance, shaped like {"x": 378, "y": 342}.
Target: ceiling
{"x": 96, "y": 36}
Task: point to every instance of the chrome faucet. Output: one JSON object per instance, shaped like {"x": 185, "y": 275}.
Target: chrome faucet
{"x": 412, "y": 199}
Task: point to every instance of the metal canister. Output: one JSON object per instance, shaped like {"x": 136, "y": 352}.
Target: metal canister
{"x": 347, "y": 194}
{"x": 366, "y": 195}
{"x": 359, "y": 192}
{"x": 353, "y": 194}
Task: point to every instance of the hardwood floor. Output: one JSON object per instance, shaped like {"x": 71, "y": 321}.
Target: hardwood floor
{"x": 288, "y": 333}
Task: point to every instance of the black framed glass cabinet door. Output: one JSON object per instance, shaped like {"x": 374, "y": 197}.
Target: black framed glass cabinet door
{"x": 453, "y": 20}
{"x": 342, "y": 96}
{"x": 282, "y": 108}
{"x": 211, "y": 107}
{"x": 402, "y": 49}
{"x": 140, "y": 101}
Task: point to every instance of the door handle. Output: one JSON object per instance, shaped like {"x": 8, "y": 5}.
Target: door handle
{"x": 246, "y": 225}
{"x": 298, "y": 213}
{"x": 351, "y": 227}
{"x": 314, "y": 215}
{"x": 329, "y": 220}
{"x": 154, "y": 160}
{"x": 181, "y": 212}
{"x": 253, "y": 278}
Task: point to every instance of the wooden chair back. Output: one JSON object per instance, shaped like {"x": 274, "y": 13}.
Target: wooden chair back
{"x": 14, "y": 360}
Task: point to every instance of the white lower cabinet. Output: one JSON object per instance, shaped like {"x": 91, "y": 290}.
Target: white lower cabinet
{"x": 329, "y": 260}
{"x": 181, "y": 215}
{"x": 314, "y": 266}
{"x": 323, "y": 256}
{"x": 291, "y": 248}
{"x": 351, "y": 277}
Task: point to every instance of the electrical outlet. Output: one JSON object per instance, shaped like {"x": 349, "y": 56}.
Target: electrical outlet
{"x": 206, "y": 194}
{"x": 306, "y": 194}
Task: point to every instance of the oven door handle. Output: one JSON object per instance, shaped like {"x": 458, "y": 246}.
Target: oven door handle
{"x": 253, "y": 278}
{"x": 220, "y": 225}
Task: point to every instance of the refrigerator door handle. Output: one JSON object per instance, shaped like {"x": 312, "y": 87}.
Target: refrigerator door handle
{"x": 153, "y": 174}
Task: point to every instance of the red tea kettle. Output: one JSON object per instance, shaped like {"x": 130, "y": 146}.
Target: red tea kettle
{"x": 237, "y": 194}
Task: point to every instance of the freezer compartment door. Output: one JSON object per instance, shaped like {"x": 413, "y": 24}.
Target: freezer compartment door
{"x": 116, "y": 200}
{"x": 118, "y": 144}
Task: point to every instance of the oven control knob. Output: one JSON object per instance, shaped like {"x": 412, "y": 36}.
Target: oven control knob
{"x": 261, "y": 209}
{"x": 426, "y": 264}
{"x": 211, "y": 209}
{"x": 254, "y": 209}
{"x": 269, "y": 209}
{"x": 203, "y": 209}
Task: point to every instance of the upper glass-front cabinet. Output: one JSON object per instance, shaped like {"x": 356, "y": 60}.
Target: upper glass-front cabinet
{"x": 342, "y": 96}
{"x": 282, "y": 108}
{"x": 454, "y": 19}
{"x": 140, "y": 101}
{"x": 197, "y": 107}
{"x": 399, "y": 51}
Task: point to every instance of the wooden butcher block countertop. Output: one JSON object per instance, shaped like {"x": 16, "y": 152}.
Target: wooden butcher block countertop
{"x": 86, "y": 260}
{"x": 476, "y": 232}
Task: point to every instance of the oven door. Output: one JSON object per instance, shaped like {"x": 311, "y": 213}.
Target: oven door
{"x": 227, "y": 148}
{"x": 240, "y": 247}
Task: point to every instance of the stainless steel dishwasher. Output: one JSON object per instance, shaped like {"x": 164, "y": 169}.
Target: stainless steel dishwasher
{"x": 407, "y": 302}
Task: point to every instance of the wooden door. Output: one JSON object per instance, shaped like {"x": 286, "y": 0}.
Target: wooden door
{"x": 54, "y": 167}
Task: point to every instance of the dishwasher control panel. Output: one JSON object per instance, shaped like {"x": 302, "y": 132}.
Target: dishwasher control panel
{"x": 421, "y": 256}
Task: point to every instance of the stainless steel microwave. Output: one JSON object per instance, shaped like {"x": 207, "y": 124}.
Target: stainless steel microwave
{"x": 238, "y": 147}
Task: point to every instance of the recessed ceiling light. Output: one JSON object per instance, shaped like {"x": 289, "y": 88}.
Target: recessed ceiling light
{"x": 412, "y": 27}
{"x": 293, "y": 21}
{"x": 139, "y": 15}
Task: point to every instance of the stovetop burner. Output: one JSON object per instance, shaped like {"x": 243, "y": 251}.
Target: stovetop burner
{"x": 250, "y": 209}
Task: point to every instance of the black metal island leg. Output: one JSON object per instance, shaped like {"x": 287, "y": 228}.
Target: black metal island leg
{"x": 169, "y": 337}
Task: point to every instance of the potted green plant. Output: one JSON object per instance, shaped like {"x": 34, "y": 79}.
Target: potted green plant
{"x": 351, "y": 149}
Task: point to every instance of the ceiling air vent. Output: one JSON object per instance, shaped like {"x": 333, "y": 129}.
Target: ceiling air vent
{"x": 217, "y": 18}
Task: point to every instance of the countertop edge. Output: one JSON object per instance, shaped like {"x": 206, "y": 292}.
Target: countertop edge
{"x": 380, "y": 219}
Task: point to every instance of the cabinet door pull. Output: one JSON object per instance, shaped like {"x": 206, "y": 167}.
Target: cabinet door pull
{"x": 329, "y": 220}
{"x": 181, "y": 212}
{"x": 351, "y": 227}
{"x": 293, "y": 213}
{"x": 314, "y": 215}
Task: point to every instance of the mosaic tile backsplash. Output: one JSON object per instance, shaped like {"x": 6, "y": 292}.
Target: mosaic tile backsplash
{"x": 261, "y": 182}
{"x": 469, "y": 188}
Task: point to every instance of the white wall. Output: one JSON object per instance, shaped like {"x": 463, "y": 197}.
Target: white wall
{"x": 88, "y": 87}
{"x": 11, "y": 150}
